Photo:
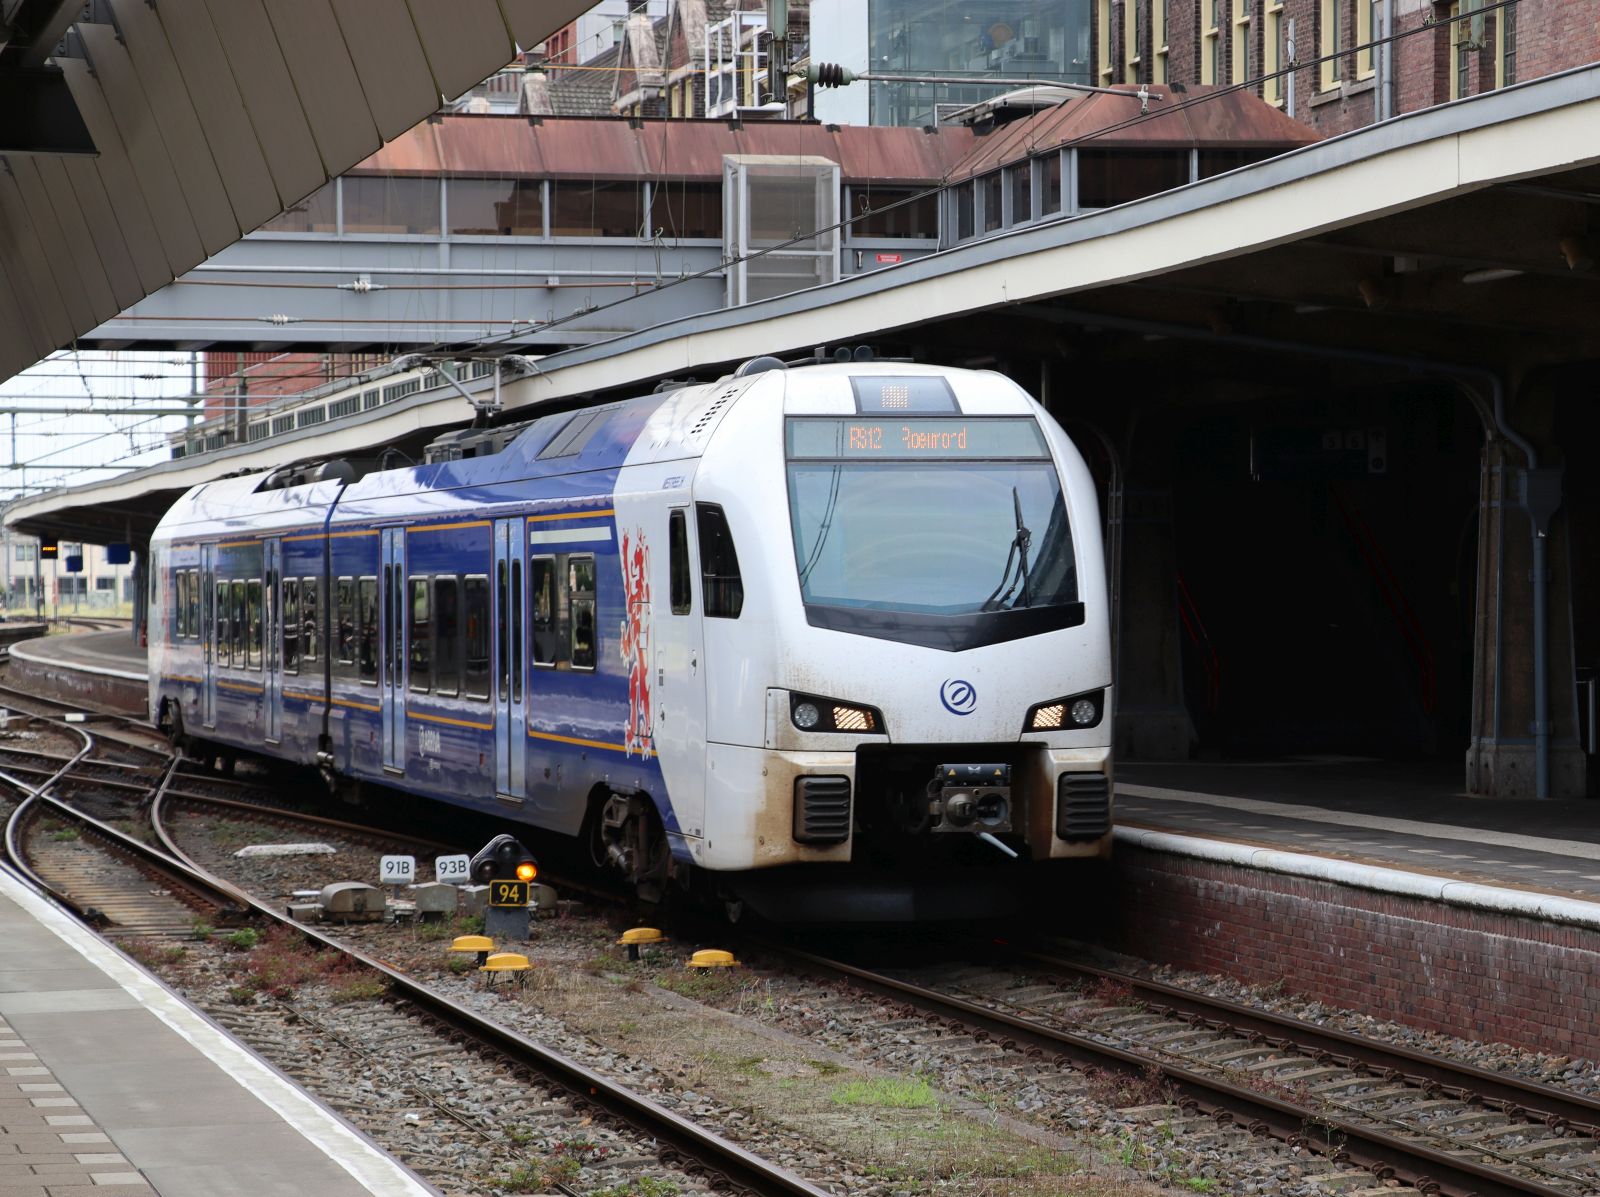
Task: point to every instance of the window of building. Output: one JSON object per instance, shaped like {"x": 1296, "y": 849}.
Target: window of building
{"x": 1021, "y": 192}
{"x": 105, "y": 583}
{"x": 367, "y": 630}
{"x": 317, "y": 213}
{"x": 1276, "y": 86}
{"x": 310, "y": 620}
{"x": 1331, "y": 43}
{"x": 27, "y": 551}
{"x": 580, "y": 600}
{"x": 497, "y": 207}
{"x": 966, "y": 195}
{"x": 1050, "y": 184}
{"x": 546, "y": 614}
{"x": 993, "y": 192}
{"x": 894, "y": 212}
{"x": 1216, "y": 162}
{"x": 1241, "y": 40}
{"x": 721, "y": 584}
{"x": 1107, "y": 177}
{"x": 1211, "y": 42}
{"x": 420, "y": 635}
{"x": 1102, "y": 43}
{"x": 475, "y": 659}
{"x": 1158, "y": 38}
{"x": 1461, "y": 46}
{"x": 591, "y": 208}
{"x": 390, "y": 204}
{"x": 291, "y": 625}
{"x": 1505, "y": 63}
{"x": 1366, "y": 23}
{"x": 1131, "y": 33}
{"x": 128, "y": 590}
{"x": 447, "y": 635}
{"x": 681, "y": 210}
{"x": 678, "y": 562}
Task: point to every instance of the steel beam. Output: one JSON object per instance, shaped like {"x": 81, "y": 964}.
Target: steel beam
{"x": 41, "y": 115}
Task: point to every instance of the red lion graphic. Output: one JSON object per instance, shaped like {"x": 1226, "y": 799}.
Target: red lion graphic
{"x": 636, "y": 642}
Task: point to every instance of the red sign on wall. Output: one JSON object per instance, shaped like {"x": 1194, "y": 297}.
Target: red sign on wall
{"x": 888, "y": 259}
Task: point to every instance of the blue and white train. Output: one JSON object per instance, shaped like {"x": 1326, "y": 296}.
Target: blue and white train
{"x": 830, "y": 630}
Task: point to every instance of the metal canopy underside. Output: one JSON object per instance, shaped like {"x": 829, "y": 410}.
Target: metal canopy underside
{"x": 208, "y": 118}
{"x": 1466, "y": 235}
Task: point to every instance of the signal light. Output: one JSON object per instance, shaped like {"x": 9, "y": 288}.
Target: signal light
{"x": 503, "y": 859}
{"x": 49, "y": 548}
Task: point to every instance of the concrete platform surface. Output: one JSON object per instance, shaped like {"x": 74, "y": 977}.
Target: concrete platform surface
{"x": 116, "y": 652}
{"x": 110, "y": 1084}
{"x": 1412, "y": 817}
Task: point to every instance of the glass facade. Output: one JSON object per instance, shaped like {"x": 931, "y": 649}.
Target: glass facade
{"x": 1046, "y": 39}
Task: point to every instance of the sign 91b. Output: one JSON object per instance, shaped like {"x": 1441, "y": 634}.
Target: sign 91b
{"x": 397, "y": 870}
{"x": 508, "y": 893}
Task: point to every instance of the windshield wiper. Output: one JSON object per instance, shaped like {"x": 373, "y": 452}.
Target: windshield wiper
{"x": 1018, "y": 552}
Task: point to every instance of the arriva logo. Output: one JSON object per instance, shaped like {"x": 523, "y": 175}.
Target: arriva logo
{"x": 959, "y": 697}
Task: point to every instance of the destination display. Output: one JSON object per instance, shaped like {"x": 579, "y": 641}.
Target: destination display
{"x": 991, "y": 437}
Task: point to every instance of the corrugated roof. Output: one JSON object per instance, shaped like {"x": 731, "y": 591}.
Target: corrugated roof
{"x": 615, "y": 148}
{"x": 1202, "y": 118}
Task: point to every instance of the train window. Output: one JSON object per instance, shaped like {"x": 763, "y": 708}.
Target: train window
{"x": 367, "y": 633}
{"x": 447, "y": 635}
{"x": 252, "y": 616}
{"x": 236, "y": 602}
{"x": 678, "y": 562}
{"x": 502, "y": 621}
{"x": 224, "y": 612}
{"x": 208, "y": 614}
{"x": 720, "y": 584}
{"x": 518, "y": 665}
{"x": 580, "y": 589}
{"x": 310, "y": 616}
{"x": 421, "y": 635}
{"x": 194, "y": 603}
{"x": 182, "y": 621}
{"x": 291, "y": 625}
{"x": 476, "y": 659}
{"x": 346, "y": 646}
{"x": 546, "y": 623}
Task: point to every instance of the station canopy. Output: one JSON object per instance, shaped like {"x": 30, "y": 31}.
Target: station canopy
{"x": 138, "y": 139}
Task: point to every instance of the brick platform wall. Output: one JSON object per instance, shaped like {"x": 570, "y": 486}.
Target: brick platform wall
{"x": 1424, "y": 964}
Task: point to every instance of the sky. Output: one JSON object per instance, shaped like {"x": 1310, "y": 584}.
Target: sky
{"x": 99, "y": 421}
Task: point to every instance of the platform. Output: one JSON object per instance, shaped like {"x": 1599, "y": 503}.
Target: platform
{"x": 107, "y": 669}
{"x": 113, "y": 1085}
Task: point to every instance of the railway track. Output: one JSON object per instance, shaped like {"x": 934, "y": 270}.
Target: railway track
{"x": 144, "y": 889}
{"x": 1391, "y": 1114}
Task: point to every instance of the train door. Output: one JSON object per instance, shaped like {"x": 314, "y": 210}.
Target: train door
{"x": 680, "y": 702}
{"x": 271, "y": 651}
{"x": 392, "y": 658}
{"x": 511, "y": 660}
{"x": 208, "y": 636}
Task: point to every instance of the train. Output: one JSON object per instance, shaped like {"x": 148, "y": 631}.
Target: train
{"x": 831, "y": 640}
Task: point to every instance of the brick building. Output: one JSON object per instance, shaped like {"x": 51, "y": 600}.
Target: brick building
{"x": 1441, "y": 49}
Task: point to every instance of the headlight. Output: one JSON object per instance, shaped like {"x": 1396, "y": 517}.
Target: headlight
{"x": 1073, "y": 713}
{"x": 830, "y": 715}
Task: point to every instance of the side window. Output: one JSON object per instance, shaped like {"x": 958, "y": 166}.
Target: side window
{"x": 519, "y": 663}
{"x": 580, "y": 587}
{"x": 240, "y": 627}
{"x": 475, "y": 609}
{"x": 224, "y": 612}
{"x": 546, "y": 619}
{"x": 194, "y": 603}
{"x": 252, "y": 615}
{"x": 347, "y": 625}
{"x": 721, "y": 587}
{"x": 291, "y": 625}
{"x": 447, "y": 635}
{"x": 181, "y": 623}
{"x": 310, "y": 617}
{"x": 678, "y": 562}
{"x": 421, "y": 649}
{"x": 367, "y": 634}
{"x": 502, "y": 619}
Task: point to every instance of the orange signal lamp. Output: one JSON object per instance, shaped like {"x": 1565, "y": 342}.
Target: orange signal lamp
{"x": 527, "y": 871}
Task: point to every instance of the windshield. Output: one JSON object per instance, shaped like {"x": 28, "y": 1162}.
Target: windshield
{"x": 954, "y": 537}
